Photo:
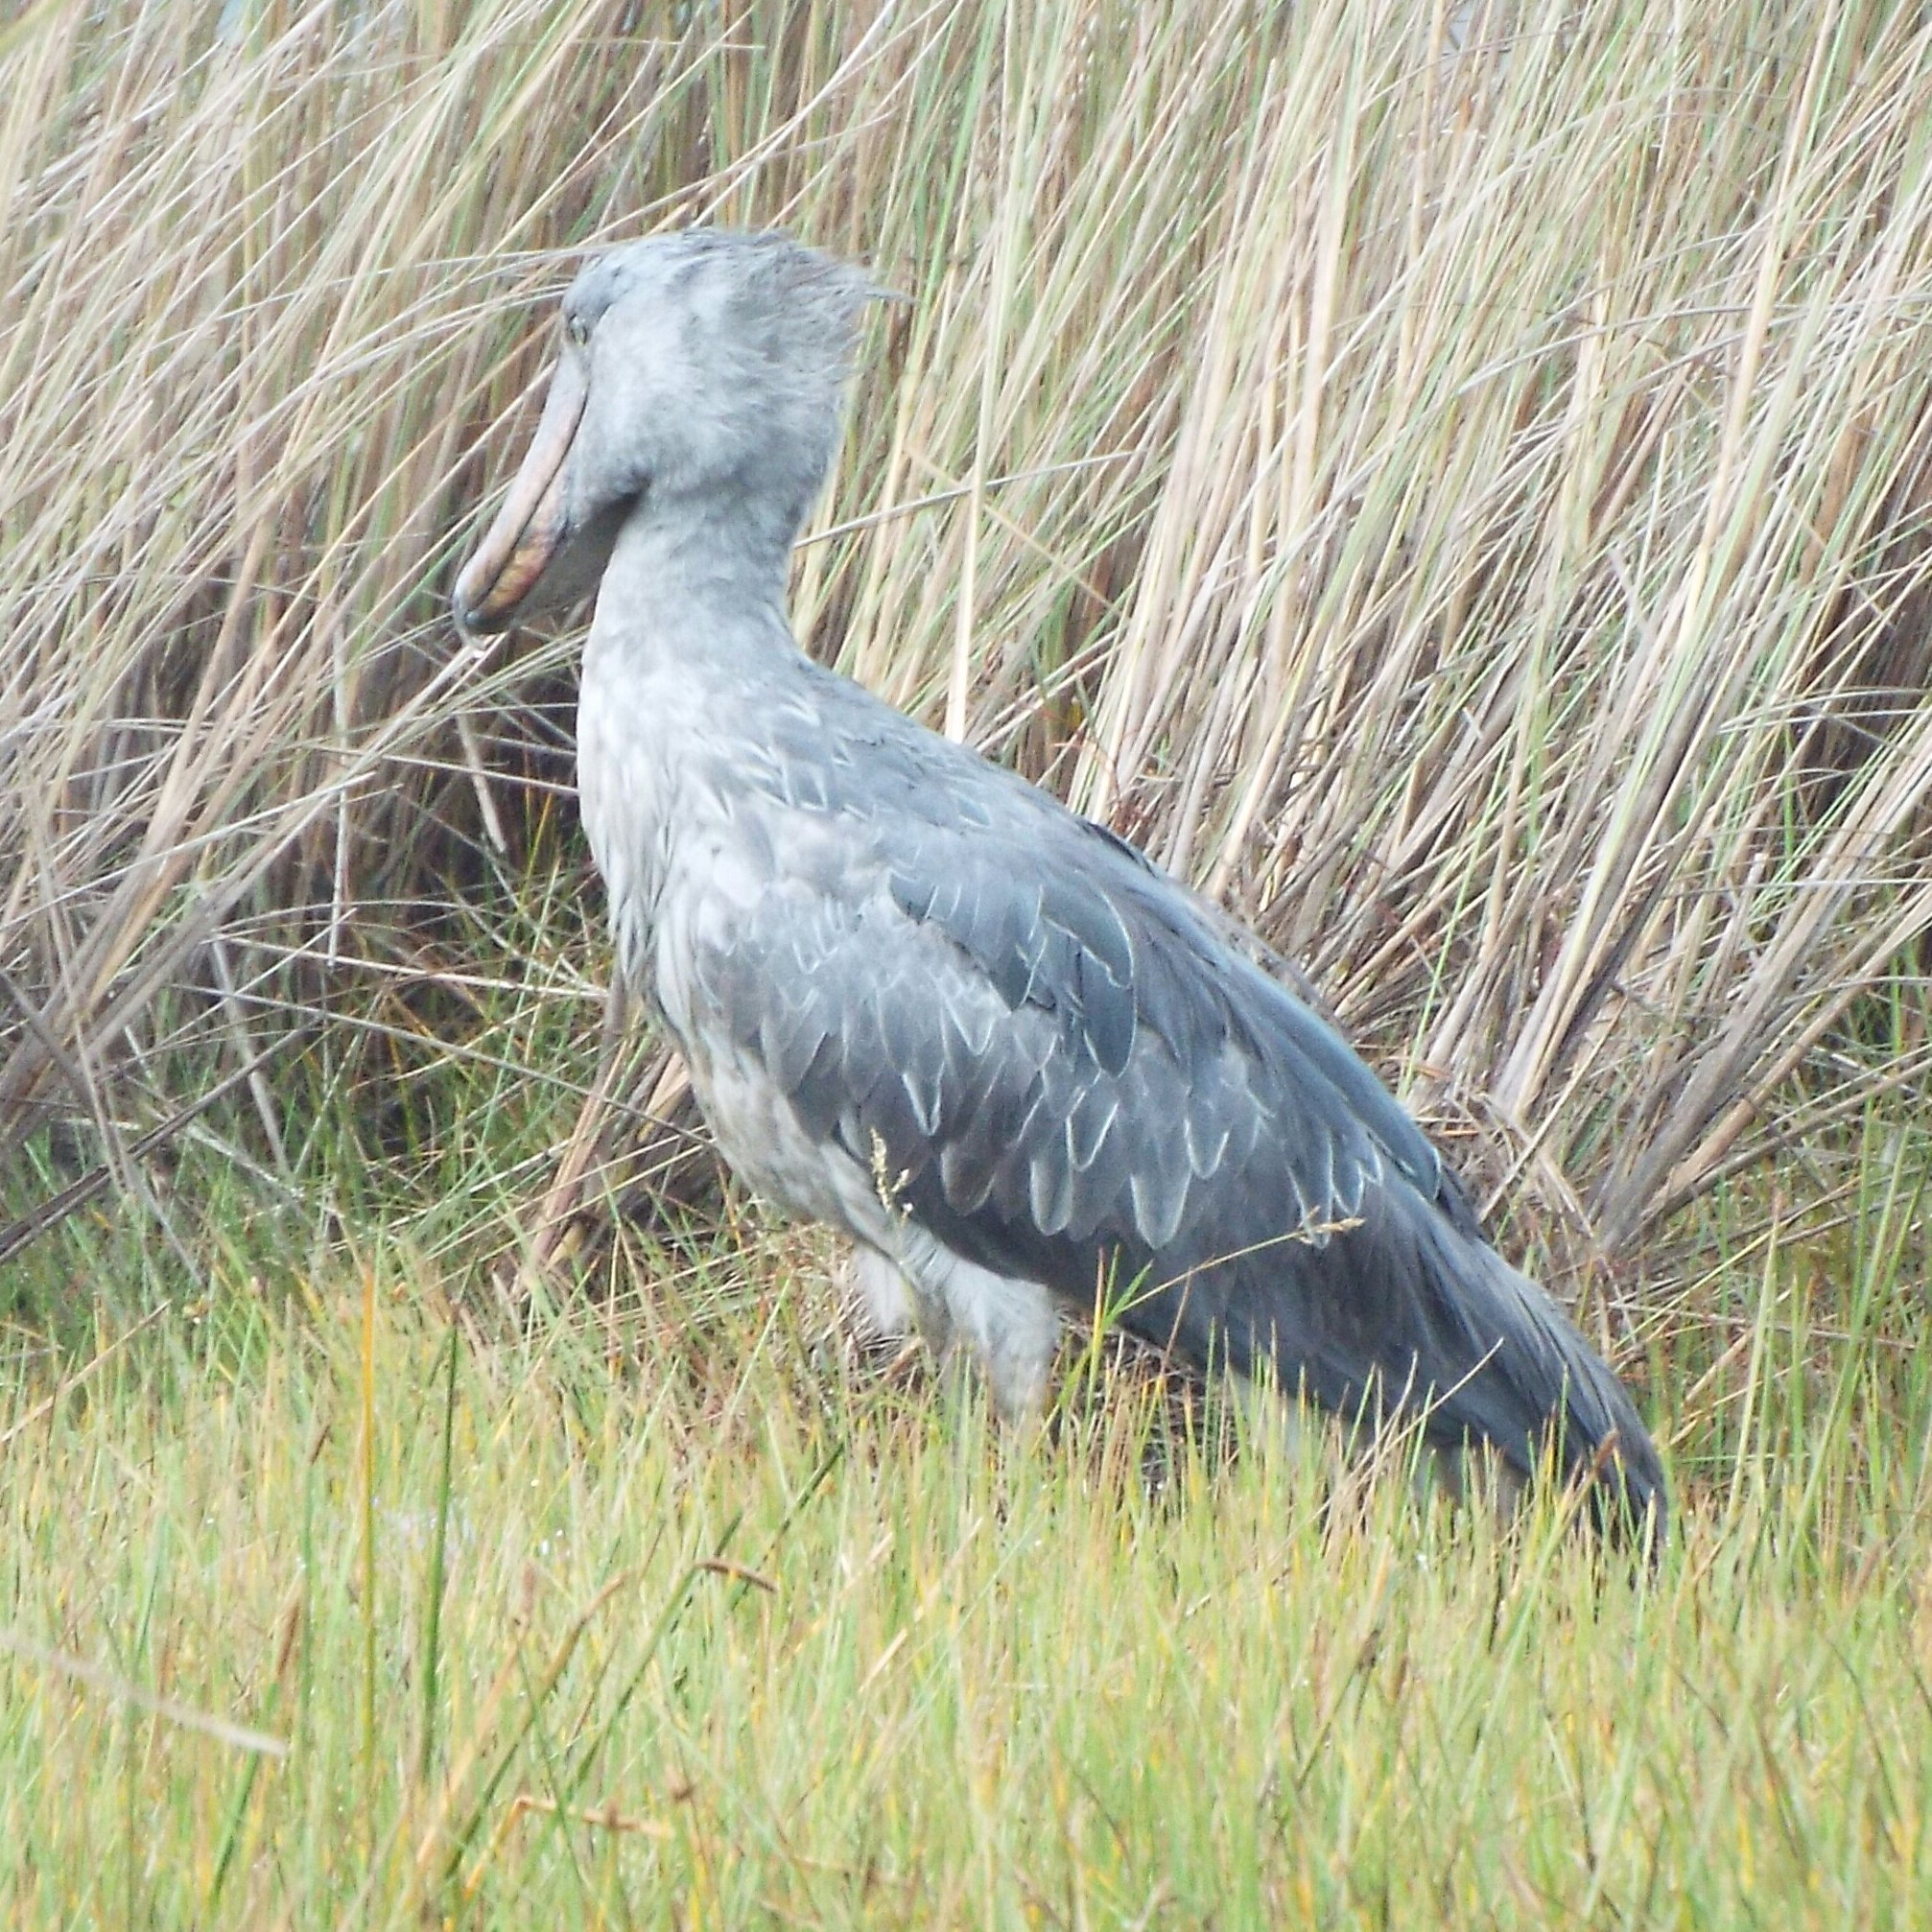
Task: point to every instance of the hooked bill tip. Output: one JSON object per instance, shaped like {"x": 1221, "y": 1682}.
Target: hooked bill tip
{"x": 473, "y": 619}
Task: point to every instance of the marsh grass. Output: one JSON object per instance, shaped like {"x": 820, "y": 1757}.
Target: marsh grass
{"x": 741, "y": 1625}
{"x": 1451, "y": 483}
{"x": 736, "y": 1629}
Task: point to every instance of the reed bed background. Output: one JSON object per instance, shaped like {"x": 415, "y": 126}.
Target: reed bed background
{"x": 1451, "y": 480}
{"x": 1453, "y": 483}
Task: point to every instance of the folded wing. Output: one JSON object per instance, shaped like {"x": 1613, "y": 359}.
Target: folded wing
{"x": 1069, "y": 1076}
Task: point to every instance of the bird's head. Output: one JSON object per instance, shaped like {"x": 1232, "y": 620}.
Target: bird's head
{"x": 692, "y": 368}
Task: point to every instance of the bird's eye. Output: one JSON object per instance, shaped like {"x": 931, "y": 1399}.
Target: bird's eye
{"x": 579, "y": 330}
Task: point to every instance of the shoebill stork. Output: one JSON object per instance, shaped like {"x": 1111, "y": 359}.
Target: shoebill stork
{"x": 922, "y": 1000}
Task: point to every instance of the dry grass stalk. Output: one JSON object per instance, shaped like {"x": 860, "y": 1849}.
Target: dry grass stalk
{"x": 1455, "y": 487}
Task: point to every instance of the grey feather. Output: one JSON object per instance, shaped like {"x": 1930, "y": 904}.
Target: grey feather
{"x": 873, "y": 945}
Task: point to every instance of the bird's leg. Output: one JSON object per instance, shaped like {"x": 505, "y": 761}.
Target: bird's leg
{"x": 882, "y": 1297}
{"x": 1282, "y": 1414}
{"x": 1018, "y": 1378}
{"x": 1009, "y": 1327}
{"x": 1474, "y": 1475}
{"x": 966, "y": 1315}
{"x": 889, "y": 1307}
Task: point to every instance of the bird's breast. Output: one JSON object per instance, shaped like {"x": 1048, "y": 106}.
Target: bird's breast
{"x": 629, "y": 779}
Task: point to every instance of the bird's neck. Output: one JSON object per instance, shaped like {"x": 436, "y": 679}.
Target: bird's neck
{"x": 688, "y": 640}
{"x": 688, "y": 568}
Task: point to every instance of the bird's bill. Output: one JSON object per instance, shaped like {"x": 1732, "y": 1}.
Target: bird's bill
{"x": 530, "y": 527}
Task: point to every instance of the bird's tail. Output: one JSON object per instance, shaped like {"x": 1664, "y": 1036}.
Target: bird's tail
{"x": 1541, "y": 1396}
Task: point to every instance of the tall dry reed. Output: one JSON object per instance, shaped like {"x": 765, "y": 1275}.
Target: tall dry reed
{"x": 1451, "y": 482}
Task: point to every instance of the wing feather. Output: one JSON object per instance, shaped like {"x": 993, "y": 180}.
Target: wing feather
{"x": 1076, "y": 1078}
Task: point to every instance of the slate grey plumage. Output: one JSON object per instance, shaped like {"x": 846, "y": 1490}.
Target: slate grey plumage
{"x": 921, "y": 1000}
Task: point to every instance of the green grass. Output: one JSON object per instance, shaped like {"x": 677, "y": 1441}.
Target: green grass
{"x": 738, "y": 1627}
{"x": 738, "y": 1630}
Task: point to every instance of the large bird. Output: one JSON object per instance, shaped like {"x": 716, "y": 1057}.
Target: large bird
{"x": 921, "y": 1000}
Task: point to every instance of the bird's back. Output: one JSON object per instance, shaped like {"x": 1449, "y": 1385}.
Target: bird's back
{"x": 948, "y": 982}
